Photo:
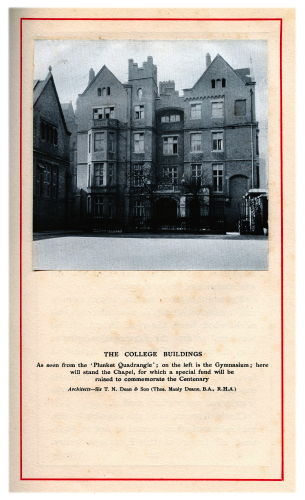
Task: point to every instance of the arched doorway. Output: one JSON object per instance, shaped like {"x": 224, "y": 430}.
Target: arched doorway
{"x": 238, "y": 186}
{"x": 165, "y": 212}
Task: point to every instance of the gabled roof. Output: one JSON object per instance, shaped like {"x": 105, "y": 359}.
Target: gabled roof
{"x": 238, "y": 73}
{"x": 103, "y": 68}
{"x": 38, "y": 88}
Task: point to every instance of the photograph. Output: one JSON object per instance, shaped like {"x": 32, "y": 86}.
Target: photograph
{"x": 150, "y": 155}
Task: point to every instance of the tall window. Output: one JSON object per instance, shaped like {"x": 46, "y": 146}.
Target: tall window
{"x": 218, "y": 178}
{"x": 217, "y": 141}
{"x": 138, "y": 208}
{"x": 195, "y": 111}
{"x": 104, "y": 91}
{"x": 139, "y": 111}
{"x": 170, "y": 145}
{"x": 171, "y": 175}
{"x": 196, "y": 173}
{"x": 240, "y": 107}
{"x": 99, "y": 92}
{"x": 213, "y": 84}
{"x": 108, "y": 90}
{"x": 99, "y": 141}
{"x": 217, "y": 109}
{"x": 98, "y": 206}
{"x": 138, "y": 171}
{"x": 111, "y": 145}
{"x": 110, "y": 174}
{"x": 196, "y": 143}
{"x": 139, "y": 93}
{"x": 47, "y": 181}
{"x": 139, "y": 142}
{"x": 89, "y": 143}
{"x": 54, "y": 182}
{"x": 223, "y": 82}
{"x": 99, "y": 174}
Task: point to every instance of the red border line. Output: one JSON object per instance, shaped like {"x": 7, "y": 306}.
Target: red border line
{"x": 282, "y": 251}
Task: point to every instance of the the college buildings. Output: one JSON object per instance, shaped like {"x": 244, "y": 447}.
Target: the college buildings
{"x": 141, "y": 155}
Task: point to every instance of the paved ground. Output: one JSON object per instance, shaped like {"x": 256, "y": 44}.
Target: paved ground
{"x": 76, "y": 251}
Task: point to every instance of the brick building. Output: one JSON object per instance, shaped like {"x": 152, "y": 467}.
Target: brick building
{"x": 50, "y": 157}
{"x": 148, "y": 157}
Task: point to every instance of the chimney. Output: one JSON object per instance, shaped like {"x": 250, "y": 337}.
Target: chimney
{"x": 208, "y": 60}
{"x": 91, "y": 75}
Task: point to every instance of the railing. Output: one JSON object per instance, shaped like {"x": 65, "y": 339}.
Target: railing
{"x": 105, "y": 123}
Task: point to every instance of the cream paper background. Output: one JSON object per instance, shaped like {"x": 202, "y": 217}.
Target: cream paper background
{"x": 231, "y": 316}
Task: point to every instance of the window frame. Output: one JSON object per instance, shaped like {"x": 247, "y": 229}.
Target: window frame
{"x": 139, "y": 114}
{"x": 102, "y": 141}
{"x": 218, "y": 167}
{"x": 193, "y": 116}
{"x": 217, "y": 149}
{"x": 138, "y": 150}
{"x": 244, "y": 101}
{"x": 171, "y": 172}
{"x": 101, "y": 175}
{"x": 169, "y": 146}
{"x": 217, "y": 116}
{"x": 192, "y": 135}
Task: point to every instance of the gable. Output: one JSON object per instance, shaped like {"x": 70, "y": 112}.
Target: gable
{"x": 46, "y": 101}
{"x": 217, "y": 70}
{"x": 104, "y": 78}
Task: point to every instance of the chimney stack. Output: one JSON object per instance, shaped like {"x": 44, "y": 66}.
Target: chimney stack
{"x": 91, "y": 75}
{"x": 208, "y": 60}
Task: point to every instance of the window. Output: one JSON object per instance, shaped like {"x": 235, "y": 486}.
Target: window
{"x": 171, "y": 175}
{"x": 47, "y": 181}
{"x": 139, "y": 142}
{"x": 39, "y": 180}
{"x": 111, "y": 174}
{"x": 170, "y": 145}
{"x": 100, "y": 113}
{"x": 217, "y": 109}
{"x": 196, "y": 142}
{"x": 138, "y": 172}
{"x": 195, "y": 111}
{"x": 139, "y": 111}
{"x": 99, "y": 92}
{"x": 139, "y": 93}
{"x": 109, "y": 112}
{"x": 111, "y": 143}
{"x": 170, "y": 118}
{"x": 99, "y": 141}
{"x": 213, "y": 84}
{"x": 99, "y": 174}
{"x": 97, "y": 113}
{"x": 54, "y": 182}
{"x": 89, "y": 143}
{"x": 108, "y": 90}
{"x": 98, "y": 206}
{"x": 223, "y": 82}
{"x": 217, "y": 141}
{"x": 218, "y": 178}
{"x": 240, "y": 107}
{"x": 104, "y": 91}
{"x": 139, "y": 209}
{"x": 196, "y": 173}
{"x": 49, "y": 133}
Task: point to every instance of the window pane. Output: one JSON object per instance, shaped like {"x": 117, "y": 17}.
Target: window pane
{"x": 240, "y": 107}
{"x": 99, "y": 141}
{"x": 217, "y": 109}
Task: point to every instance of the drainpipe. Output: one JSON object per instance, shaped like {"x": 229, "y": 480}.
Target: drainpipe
{"x": 252, "y": 146}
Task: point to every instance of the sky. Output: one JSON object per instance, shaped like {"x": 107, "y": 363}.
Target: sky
{"x": 180, "y": 60}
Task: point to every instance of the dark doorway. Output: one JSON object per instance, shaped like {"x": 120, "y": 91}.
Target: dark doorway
{"x": 194, "y": 214}
{"x": 238, "y": 188}
{"x": 165, "y": 212}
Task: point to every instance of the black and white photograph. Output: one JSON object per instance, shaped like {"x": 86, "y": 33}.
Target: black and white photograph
{"x": 150, "y": 155}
